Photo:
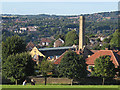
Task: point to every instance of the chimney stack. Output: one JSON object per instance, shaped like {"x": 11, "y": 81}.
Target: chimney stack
{"x": 81, "y": 32}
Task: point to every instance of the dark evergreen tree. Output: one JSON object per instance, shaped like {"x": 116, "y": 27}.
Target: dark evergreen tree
{"x": 16, "y": 67}
{"x": 72, "y": 66}
{"x": 12, "y": 45}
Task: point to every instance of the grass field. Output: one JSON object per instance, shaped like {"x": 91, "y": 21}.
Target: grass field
{"x": 60, "y": 86}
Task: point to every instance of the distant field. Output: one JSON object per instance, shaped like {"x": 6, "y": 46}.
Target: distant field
{"x": 60, "y": 86}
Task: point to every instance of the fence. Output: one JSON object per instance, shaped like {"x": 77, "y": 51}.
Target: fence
{"x": 52, "y": 80}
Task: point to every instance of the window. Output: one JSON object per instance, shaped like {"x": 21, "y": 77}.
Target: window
{"x": 47, "y": 43}
{"x": 34, "y": 50}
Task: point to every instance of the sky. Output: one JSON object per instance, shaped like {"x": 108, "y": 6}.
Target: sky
{"x": 57, "y": 7}
{"x": 59, "y": 0}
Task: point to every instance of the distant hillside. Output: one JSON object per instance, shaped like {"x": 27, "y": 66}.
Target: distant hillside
{"x": 52, "y": 25}
{"x": 105, "y": 22}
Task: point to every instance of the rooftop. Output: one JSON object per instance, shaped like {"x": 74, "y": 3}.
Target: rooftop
{"x": 55, "y": 48}
{"x": 92, "y": 58}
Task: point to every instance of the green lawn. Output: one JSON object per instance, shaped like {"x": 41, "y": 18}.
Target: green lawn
{"x": 60, "y": 86}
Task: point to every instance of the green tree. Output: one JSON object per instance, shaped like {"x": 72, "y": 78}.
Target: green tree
{"x": 5, "y": 34}
{"x": 96, "y": 47}
{"x": 45, "y": 68}
{"x": 16, "y": 67}
{"x": 104, "y": 68}
{"x": 51, "y": 44}
{"x": 98, "y": 39}
{"x": 107, "y": 40}
{"x": 71, "y": 38}
{"x": 87, "y": 41}
{"x": 105, "y": 45}
{"x": 72, "y": 66}
{"x": 60, "y": 36}
{"x": 91, "y": 36}
{"x": 115, "y": 41}
{"x": 12, "y": 45}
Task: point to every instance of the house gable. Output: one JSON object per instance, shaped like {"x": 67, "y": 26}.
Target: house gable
{"x": 30, "y": 46}
{"x": 35, "y": 51}
{"x": 90, "y": 60}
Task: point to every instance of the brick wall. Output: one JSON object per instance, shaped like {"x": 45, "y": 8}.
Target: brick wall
{"x": 52, "y": 80}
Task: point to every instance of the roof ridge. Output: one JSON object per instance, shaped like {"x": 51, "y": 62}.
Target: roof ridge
{"x": 56, "y": 47}
{"x": 93, "y": 54}
{"x": 105, "y": 50}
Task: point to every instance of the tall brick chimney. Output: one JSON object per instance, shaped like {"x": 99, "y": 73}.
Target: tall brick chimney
{"x": 81, "y": 32}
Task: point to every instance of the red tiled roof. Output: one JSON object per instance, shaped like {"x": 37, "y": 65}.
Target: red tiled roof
{"x": 30, "y": 44}
{"x": 58, "y": 43}
{"x": 118, "y": 56}
{"x": 78, "y": 52}
{"x": 57, "y": 61}
{"x": 90, "y": 60}
{"x": 118, "y": 52}
{"x": 45, "y": 40}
